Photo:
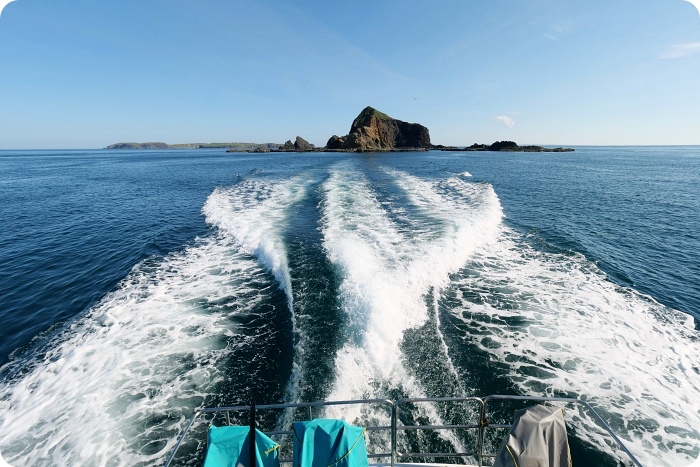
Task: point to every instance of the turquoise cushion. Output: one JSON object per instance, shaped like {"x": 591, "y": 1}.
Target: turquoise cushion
{"x": 329, "y": 443}
{"x": 229, "y": 446}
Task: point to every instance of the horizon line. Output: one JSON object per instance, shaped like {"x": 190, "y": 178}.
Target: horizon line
{"x": 455, "y": 145}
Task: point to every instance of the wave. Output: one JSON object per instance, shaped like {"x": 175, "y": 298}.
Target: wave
{"x": 554, "y": 321}
{"x": 426, "y": 268}
{"x": 117, "y": 385}
{"x": 391, "y": 259}
{"x": 558, "y": 326}
{"x": 255, "y": 214}
{"x": 388, "y": 269}
{"x": 191, "y": 329}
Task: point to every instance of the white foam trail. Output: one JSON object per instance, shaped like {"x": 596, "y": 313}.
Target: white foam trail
{"x": 254, "y": 213}
{"x": 151, "y": 348}
{"x": 386, "y": 272}
{"x": 466, "y": 174}
{"x": 148, "y": 349}
{"x": 373, "y": 257}
{"x": 361, "y": 415}
{"x": 470, "y": 215}
{"x": 631, "y": 357}
{"x": 443, "y": 344}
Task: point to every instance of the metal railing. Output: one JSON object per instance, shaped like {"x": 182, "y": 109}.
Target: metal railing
{"x": 480, "y": 426}
{"x": 467, "y": 426}
{"x": 309, "y": 406}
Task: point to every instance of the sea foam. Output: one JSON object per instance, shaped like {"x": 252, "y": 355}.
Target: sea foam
{"x": 117, "y": 384}
{"x": 563, "y": 328}
{"x": 388, "y": 270}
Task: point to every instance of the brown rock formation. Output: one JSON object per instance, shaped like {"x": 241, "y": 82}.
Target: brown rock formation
{"x": 373, "y": 130}
{"x": 335, "y": 142}
{"x": 301, "y": 145}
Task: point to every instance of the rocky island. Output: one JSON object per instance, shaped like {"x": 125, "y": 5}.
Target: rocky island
{"x": 503, "y": 146}
{"x": 299, "y": 145}
{"x": 371, "y": 131}
{"x": 374, "y": 131}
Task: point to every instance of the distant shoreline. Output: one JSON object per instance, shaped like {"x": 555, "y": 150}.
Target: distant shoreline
{"x": 371, "y": 131}
{"x": 504, "y": 146}
{"x": 161, "y": 145}
{"x": 498, "y": 146}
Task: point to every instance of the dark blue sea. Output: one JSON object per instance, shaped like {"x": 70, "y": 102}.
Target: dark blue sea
{"x": 137, "y": 286}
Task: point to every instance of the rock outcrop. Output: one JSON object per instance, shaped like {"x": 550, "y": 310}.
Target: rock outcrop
{"x": 373, "y": 130}
{"x": 301, "y": 145}
{"x": 503, "y": 146}
{"x": 336, "y": 142}
{"x": 287, "y": 146}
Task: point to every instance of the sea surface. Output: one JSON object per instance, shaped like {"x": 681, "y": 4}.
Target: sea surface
{"x": 137, "y": 286}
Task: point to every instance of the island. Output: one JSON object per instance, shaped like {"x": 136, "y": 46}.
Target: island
{"x": 159, "y": 145}
{"x": 503, "y": 146}
{"x": 300, "y": 145}
{"x": 371, "y": 131}
{"x": 374, "y": 131}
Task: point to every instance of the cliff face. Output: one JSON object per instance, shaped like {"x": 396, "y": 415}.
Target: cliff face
{"x": 373, "y": 130}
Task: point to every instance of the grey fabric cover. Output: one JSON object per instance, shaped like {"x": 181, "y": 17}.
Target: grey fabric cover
{"x": 537, "y": 439}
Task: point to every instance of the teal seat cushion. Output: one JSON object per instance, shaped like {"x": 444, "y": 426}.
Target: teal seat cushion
{"x": 329, "y": 443}
{"x": 229, "y": 446}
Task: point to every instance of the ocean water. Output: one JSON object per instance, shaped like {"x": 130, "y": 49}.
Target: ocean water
{"x": 137, "y": 286}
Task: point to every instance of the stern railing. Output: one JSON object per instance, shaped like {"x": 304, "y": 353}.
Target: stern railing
{"x": 394, "y": 456}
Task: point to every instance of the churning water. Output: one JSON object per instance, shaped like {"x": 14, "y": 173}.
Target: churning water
{"x": 138, "y": 286}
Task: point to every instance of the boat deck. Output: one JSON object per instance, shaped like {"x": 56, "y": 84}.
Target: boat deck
{"x": 482, "y": 422}
{"x": 402, "y": 464}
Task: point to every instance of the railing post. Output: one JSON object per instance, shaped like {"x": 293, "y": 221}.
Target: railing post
{"x": 482, "y": 426}
{"x": 253, "y": 446}
{"x": 394, "y": 416}
{"x": 182, "y": 437}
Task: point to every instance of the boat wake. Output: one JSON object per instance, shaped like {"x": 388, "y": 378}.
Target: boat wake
{"x": 389, "y": 264}
{"x": 424, "y": 292}
{"x": 118, "y": 384}
{"x": 554, "y": 325}
{"x": 387, "y": 271}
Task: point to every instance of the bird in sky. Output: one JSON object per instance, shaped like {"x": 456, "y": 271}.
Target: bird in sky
{"x": 3, "y": 4}
{"x": 695, "y": 3}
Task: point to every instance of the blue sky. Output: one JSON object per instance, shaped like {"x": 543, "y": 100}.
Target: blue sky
{"x": 85, "y": 74}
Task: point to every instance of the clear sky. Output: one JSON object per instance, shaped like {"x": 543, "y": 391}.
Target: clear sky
{"x": 88, "y": 73}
